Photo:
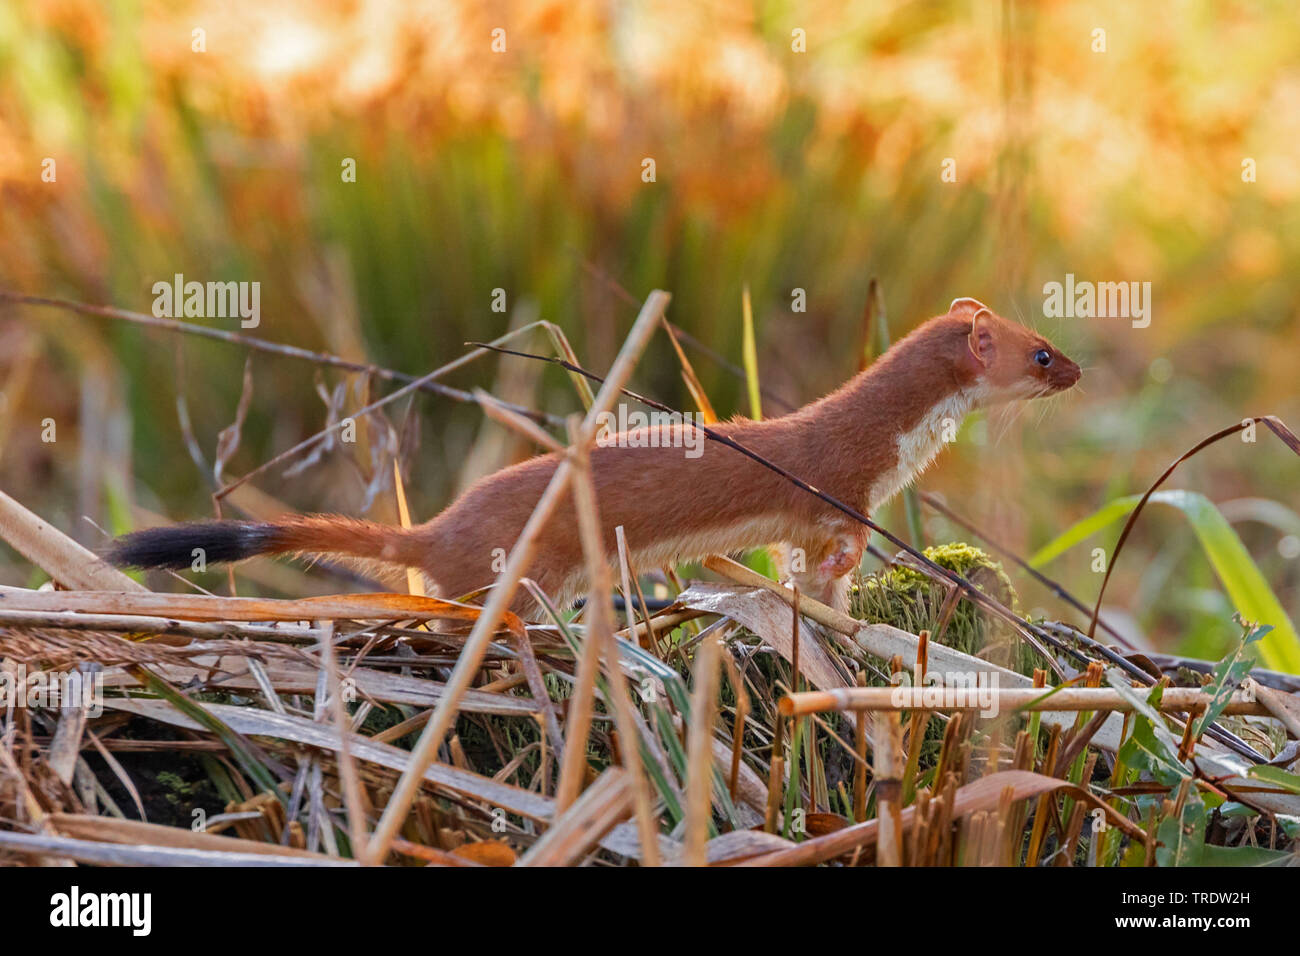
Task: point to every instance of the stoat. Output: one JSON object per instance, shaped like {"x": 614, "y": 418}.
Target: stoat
{"x": 860, "y": 444}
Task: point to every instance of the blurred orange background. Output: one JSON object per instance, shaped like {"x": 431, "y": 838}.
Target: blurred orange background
{"x": 795, "y": 147}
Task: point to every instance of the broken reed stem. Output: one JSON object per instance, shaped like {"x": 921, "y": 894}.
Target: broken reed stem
{"x": 600, "y": 641}
{"x": 1039, "y": 831}
{"x": 801, "y": 727}
{"x": 645, "y": 638}
{"x": 1075, "y": 828}
{"x": 888, "y": 734}
{"x": 1189, "y": 740}
{"x": 63, "y": 559}
{"x": 1023, "y": 759}
{"x": 737, "y": 734}
{"x": 664, "y": 623}
{"x": 130, "y": 623}
{"x": 521, "y": 556}
{"x": 501, "y": 413}
{"x": 737, "y": 681}
{"x": 699, "y": 753}
{"x": 599, "y": 619}
{"x": 412, "y": 724}
{"x": 775, "y": 774}
{"x": 1176, "y": 699}
{"x": 630, "y": 574}
{"x": 354, "y": 799}
{"x": 537, "y": 687}
{"x": 953, "y": 736}
{"x": 917, "y": 723}
{"x": 625, "y": 721}
{"x": 575, "y": 834}
{"x": 794, "y": 643}
{"x": 860, "y": 768}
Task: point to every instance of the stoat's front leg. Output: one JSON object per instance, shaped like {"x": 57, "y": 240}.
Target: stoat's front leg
{"x": 823, "y": 567}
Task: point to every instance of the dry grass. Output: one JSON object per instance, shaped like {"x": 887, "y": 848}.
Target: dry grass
{"x": 241, "y": 730}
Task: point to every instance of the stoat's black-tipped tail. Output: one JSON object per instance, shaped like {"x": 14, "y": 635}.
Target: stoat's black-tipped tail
{"x": 214, "y": 542}
{"x": 179, "y": 546}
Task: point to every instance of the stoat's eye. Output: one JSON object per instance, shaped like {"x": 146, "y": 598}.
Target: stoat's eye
{"x": 1043, "y": 357}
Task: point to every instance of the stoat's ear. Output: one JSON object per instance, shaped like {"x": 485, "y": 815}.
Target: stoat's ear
{"x": 981, "y": 336}
{"x": 966, "y": 305}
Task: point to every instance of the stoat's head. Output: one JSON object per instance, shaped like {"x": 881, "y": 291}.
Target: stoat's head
{"x": 1004, "y": 360}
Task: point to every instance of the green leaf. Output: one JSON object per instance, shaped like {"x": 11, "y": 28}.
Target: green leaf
{"x": 760, "y": 560}
{"x": 1290, "y": 824}
{"x": 1228, "y": 674}
{"x": 1146, "y": 705}
{"x": 1242, "y": 856}
{"x": 1081, "y": 530}
{"x": 1277, "y": 777}
{"x": 1144, "y": 751}
{"x": 1246, "y": 586}
{"x": 1150, "y": 746}
{"x": 1135, "y": 855}
{"x": 1265, "y": 511}
{"x": 1182, "y": 837}
{"x": 749, "y": 350}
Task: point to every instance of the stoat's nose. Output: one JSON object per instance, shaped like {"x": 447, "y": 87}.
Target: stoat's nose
{"x": 1066, "y": 373}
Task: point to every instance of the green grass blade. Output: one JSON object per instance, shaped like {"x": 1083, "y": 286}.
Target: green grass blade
{"x": 244, "y": 753}
{"x": 879, "y": 330}
{"x": 1212, "y": 855}
{"x": 1277, "y": 777}
{"x": 749, "y": 349}
{"x": 1246, "y": 586}
{"x": 1084, "y": 529}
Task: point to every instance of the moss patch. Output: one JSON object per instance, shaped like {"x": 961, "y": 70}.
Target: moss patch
{"x": 909, "y": 600}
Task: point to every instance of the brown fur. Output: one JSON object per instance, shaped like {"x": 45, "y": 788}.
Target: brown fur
{"x": 675, "y": 508}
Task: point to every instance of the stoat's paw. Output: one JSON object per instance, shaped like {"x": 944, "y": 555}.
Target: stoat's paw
{"x": 839, "y": 563}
